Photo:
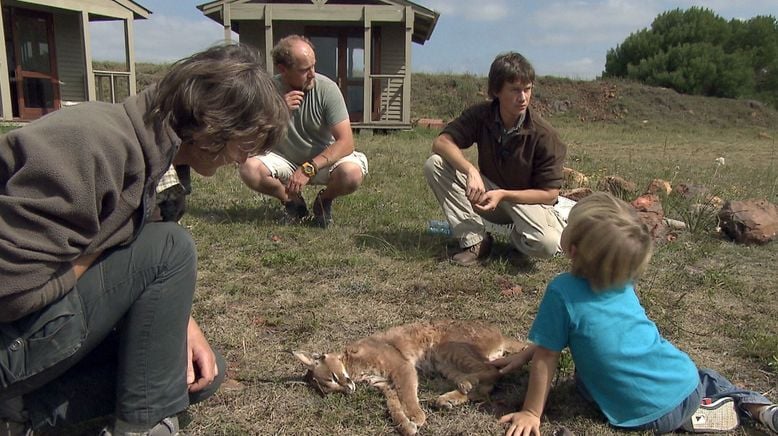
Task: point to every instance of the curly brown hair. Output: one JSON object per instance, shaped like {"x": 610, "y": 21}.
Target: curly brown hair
{"x": 224, "y": 93}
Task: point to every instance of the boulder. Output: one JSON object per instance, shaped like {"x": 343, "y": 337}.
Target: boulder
{"x": 691, "y": 192}
{"x": 617, "y": 186}
{"x": 650, "y": 211}
{"x": 751, "y": 221}
{"x": 574, "y": 179}
{"x": 576, "y": 194}
{"x": 658, "y": 186}
{"x": 431, "y": 123}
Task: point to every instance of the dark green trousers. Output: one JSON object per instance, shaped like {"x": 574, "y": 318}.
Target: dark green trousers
{"x": 116, "y": 343}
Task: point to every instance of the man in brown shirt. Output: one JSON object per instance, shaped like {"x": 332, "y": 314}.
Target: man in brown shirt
{"x": 519, "y": 173}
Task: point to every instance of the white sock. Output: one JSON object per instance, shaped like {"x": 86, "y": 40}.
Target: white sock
{"x": 769, "y": 417}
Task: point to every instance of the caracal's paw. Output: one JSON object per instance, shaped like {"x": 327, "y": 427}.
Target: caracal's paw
{"x": 464, "y": 386}
{"x": 408, "y": 428}
{"x": 418, "y": 417}
{"x": 451, "y": 399}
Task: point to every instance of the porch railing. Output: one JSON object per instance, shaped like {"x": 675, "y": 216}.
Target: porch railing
{"x": 112, "y": 86}
{"x": 390, "y": 88}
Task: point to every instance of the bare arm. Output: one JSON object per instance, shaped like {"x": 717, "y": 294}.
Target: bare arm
{"x": 445, "y": 146}
{"x": 342, "y": 147}
{"x": 527, "y": 421}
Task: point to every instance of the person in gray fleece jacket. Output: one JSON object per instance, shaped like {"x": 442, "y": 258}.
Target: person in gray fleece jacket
{"x": 95, "y": 297}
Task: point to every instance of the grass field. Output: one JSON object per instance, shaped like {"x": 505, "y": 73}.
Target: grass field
{"x": 265, "y": 289}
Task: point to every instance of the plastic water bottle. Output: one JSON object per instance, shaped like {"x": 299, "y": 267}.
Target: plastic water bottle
{"x": 438, "y": 227}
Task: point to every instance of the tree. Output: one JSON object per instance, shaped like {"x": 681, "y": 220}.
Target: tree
{"x": 697, "y": 52}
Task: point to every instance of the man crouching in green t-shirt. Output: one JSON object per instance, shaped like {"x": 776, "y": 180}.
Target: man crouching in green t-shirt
{"x": 319, "y": 146}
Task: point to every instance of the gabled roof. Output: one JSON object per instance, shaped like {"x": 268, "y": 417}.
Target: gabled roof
{"x": 424, "y": 19}
{"x": 100, "y": 10}
{"x": 138, "y": 11}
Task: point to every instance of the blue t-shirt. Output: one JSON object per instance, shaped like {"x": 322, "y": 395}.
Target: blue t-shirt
{"x": 633, "y": 374}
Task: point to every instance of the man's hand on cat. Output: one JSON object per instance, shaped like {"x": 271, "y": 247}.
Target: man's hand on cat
{"x": 524, "y": 423}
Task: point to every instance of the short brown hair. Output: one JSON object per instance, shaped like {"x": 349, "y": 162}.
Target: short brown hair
{"x": 282, "y": 52}
{"x": 612, "y": 245}
{"x": 225, "y": 93}
{"x": 509, "y": 67}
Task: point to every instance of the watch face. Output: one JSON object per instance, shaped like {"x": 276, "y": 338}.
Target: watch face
{"x": 308, "y": 169}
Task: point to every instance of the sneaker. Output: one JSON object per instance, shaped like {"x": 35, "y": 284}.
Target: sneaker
{"x": 716, "y": 416}
{"x": 769, "y": 417}
{"x": 471, "y": 255}
{"x": 166, "y": 427}
{"x": 322, "y": 211}
{"x": 13, "y": 418}
{"x": 13, "y": 428}
{"x": 295, "y": 211}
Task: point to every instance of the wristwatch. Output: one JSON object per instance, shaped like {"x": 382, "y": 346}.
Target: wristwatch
{"x": 309, "y": 169}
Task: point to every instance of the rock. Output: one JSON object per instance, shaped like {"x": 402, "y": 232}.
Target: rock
{"x": 751, "y": 221}
{"x": 658, "y": 185}
{"x": 431, "y": 123}
{"x": 617, "y": 186}
{"x": 650, "y": 211}
{"x": 576, "y": 194}
{"x": 561, "y": 106}
{"x": 699, "y": 197}
{"x": 574, "y": 179}
{"x": 691, "y": 192}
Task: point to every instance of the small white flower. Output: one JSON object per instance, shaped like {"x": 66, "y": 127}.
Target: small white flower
{"x": 720, "y": 161}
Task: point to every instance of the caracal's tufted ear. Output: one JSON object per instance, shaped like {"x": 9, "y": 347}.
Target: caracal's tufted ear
{"x": 308, "y": 359}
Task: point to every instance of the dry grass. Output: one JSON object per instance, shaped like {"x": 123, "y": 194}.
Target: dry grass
{"x": 265, "y": 289}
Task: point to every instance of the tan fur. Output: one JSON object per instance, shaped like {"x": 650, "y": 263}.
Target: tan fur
{"x": 459, "y": 350}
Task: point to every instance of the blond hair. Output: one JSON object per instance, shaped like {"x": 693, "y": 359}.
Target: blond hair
{"x": 609, "y": 243}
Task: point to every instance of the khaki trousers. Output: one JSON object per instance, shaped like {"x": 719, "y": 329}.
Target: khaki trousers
{"x": 537, "y": 227}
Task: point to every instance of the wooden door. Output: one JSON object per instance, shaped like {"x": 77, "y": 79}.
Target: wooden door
{"x": 340, "y": 55}
{"x": 34, "y": 72}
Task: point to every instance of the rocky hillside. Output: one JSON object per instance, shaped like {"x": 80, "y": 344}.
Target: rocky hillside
{"x": 445, "y": 96}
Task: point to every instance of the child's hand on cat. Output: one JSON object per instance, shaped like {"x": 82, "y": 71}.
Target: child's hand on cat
{"x": 514, "y": 362}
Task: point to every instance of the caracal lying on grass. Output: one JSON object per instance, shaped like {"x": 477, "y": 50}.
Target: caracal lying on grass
{"x": 459, "y": 350}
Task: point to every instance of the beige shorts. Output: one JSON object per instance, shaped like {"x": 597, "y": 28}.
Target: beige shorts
{"x": 282, "y": 169}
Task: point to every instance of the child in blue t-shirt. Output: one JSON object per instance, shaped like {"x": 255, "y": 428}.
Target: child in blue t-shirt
{"x": 638, "y": 380}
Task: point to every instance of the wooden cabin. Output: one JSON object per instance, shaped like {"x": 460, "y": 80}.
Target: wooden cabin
{"x": 374, "y": 77}
{"x": 48, "y": 55}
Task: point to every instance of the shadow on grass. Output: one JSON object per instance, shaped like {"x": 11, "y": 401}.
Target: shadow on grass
{"x": 419, "y": 244}
{"x": 265, "y": 214}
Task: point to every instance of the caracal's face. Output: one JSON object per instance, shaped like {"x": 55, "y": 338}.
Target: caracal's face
{"x": 327, "y": 372}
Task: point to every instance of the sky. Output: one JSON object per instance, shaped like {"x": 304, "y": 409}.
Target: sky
{"x": 566, "y": 38}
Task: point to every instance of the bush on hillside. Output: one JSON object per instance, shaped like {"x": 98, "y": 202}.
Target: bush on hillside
{"x": 697, "y": 52}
